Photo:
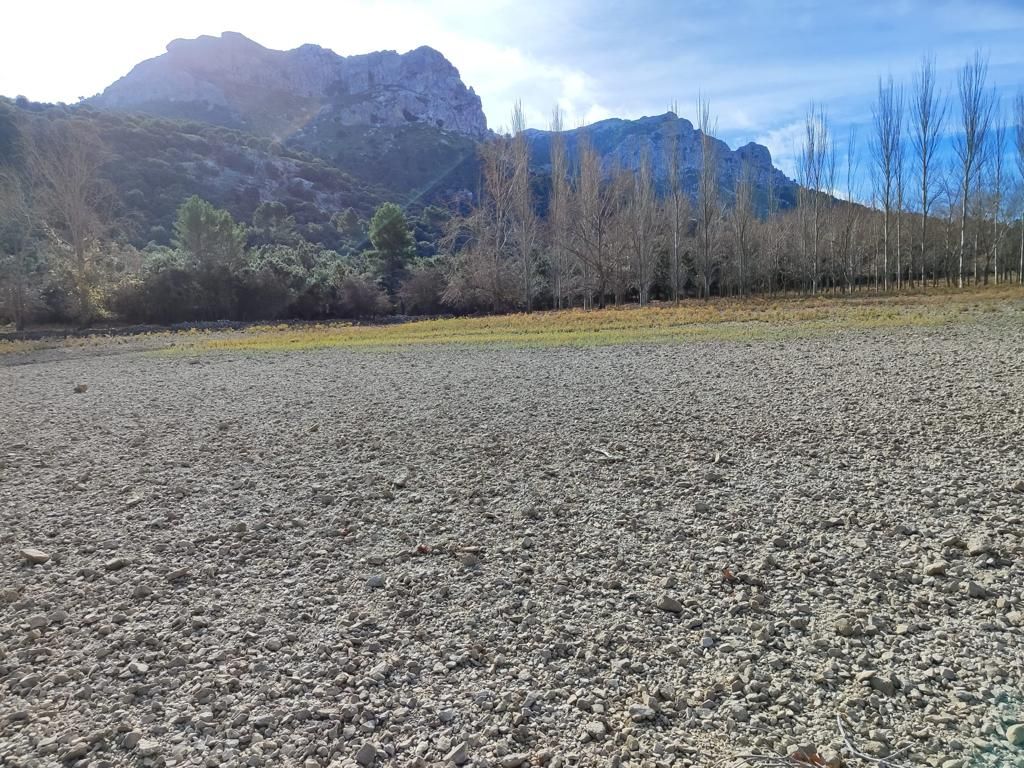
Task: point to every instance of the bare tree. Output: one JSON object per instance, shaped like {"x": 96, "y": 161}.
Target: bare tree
{"x": 927, "y": 112}
{"x": 643, "y": 215}
{"x": 888, "y": 121}
{"x": 900, "y": 178}
{"x": 480, "y": 274}
{"x": 558, "y": 211}
{"x": 997, "y": 159}
{"x": 524, "y": 216}
{"x": 64, "y": 159}
{"x": 709, "y": 207}
{"x": 849, "y": 214}
{"x": 975, "y": 116}
{"x": 677, "y": 207}
{"x": 815, "y": 171}
{"x": 484, "y": 242}
{"x": 1018, "y": 114}
{"x": 742, "y": 220}
{"x": 594, "y": 210}
{"x": 775, "y": 237}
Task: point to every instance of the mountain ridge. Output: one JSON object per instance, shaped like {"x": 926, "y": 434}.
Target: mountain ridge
{"x": 621, "y": 142}
{"x": 233, "y": 81}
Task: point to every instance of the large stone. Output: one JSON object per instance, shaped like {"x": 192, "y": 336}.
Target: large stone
{"x": 1015, "y": 734}
{"x": 638, "y": 713}
{"x": 367, "y": 754}
{"x": 670, "y": 604}
{"x": 34, "y": 556}
{"x": 147, "y": 748}
{"x": 974, "y": 589}
{"x": 458, "y": 754}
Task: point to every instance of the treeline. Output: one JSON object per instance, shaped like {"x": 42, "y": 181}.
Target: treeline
{"x": 585, "y": 234}
{"x": 605, "y": 236}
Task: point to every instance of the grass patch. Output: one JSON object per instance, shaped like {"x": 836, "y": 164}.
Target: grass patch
{"x": 728, "y": 320}
{"x": 737, "y": 320}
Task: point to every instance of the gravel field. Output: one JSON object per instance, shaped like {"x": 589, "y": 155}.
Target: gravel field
{"x": 663, "y": 555}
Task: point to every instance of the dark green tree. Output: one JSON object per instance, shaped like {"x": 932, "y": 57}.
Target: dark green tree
{"x": 213, "y": 246}
{"x": 208, "y": 236}
{"x": 272, "y": 225}
{"x": 393, "y": 246}
{"x": 347, "y": 223}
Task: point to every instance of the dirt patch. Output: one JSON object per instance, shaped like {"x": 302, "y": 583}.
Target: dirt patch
{"x": 643, "y": 555}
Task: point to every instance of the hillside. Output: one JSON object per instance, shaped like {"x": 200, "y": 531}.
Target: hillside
{"x": 153, "y": 164}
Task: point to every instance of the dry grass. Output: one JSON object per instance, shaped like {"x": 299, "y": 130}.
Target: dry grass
{"x": 741, "y": 320}
{"x": 722, "y": 320}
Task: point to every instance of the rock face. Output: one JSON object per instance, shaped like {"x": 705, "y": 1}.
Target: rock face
{"x": 621, "y": 144}
{"x": 233, "y": 81}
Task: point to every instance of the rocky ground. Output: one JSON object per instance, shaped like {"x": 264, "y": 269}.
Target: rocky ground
{"x": 671, "y": 555}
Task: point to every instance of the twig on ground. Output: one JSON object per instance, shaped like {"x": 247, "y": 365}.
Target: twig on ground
{"x": 885, "y": 762}
{"x": 605, "y": 456}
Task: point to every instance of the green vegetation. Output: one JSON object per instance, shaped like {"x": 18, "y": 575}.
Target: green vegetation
{"x": 393, "y": 246}
{"x": 210, "y": 274}
{"x": 171, "y": 224}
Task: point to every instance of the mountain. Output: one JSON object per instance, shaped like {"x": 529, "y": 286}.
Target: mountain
{"x": 402, "y": 122}
{"x": 241, "y": 125}
{"x": 235, "y": 82}
{"x": 621, "y": 144}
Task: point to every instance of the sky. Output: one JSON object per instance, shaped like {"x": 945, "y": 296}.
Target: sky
{"x": 761, "y": 64}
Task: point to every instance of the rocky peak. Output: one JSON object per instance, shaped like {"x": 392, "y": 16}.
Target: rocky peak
{"x": 232, "y": 80}
{"x": 621, "y": 144}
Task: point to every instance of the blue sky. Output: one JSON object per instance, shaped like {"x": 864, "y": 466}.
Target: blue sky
{"x": 760, "y": 63}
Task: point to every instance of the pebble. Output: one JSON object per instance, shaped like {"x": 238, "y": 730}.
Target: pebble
{"x": 366, "y": 755}
{"x": 638, "y": 713}
{"x": 884, "y": 686}
{"x": 375, "y": 582}
{"x": 34, "y": 556}
{"x": 458, "y": 754}
{"x": 670, "y": 604}
{"x": 845, "y": 628}
{"x": 76, "y": 752}
{"x": 974, "y": 589}
{"x": 1015, "y": 735}
{"x": 147, "y": 748}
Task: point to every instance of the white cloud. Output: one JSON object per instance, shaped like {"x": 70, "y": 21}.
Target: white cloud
{"x": 784, "y": 143}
